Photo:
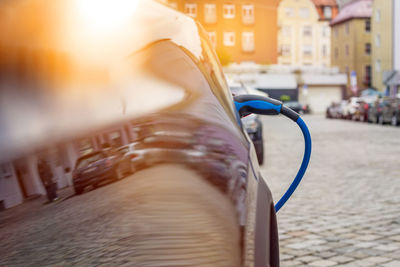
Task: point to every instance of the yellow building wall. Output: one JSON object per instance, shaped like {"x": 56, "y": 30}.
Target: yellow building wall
{"x": 351, "y": 34}
{"x": 382, "y": 26}
{"x": 291, "y": 34}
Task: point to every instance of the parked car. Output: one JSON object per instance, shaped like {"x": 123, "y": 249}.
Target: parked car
{"x": 375, "y": 111}
{"x": 332, "y": 111}
{"x": 307, "y": 109}
{"x": 383, "y": 110}
{"x": 340, "y": 111}
{"x": 390, "y": 111}
{"x": 361, "y": 113}
{"x": 296, "y": 106}
{"x": 252, "y": 122}
{"x": 349, "y": 110}
{"x": 97, "y": 167}
{"x": 396, "y": 112}
{"x": 253, "y": 126}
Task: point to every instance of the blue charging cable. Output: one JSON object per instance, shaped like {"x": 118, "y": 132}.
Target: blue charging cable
{"x": 246, "y": 104}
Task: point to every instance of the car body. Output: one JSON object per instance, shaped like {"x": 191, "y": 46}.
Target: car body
{"x": 350, "y": 108}
{"x": 252, "y": 122}
{"x": 97, "y": 167}
{"x": 384, "y": 110}
{"x": 375, "y": 111}
{"x": 296, "y": 106}
{"x": 340, "y": 109}
{"x": 390, "y": 111}
{"x": 200, "y": 198}
{"x": 332, "y": 112}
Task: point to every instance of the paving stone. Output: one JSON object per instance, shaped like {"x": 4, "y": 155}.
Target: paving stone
{"x": 377, "y": 260}
{"x": 291, "y": 263}
{"x": 396, "y": 238}
{"x": 365, "y": 244}
{"x": 308, "y": 259}
{"x": 389, "y": 247}
{"x": 341, "y": 259}
{"x": 326, "y": 254}
{"x": 392, "y": 264}
{"x": 368, "y": 237}
{"x": 323, "y": 263}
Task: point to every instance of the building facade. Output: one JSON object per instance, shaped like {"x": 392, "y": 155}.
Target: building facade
{"x": 392, "y": 79}
{"x": 351, "y": 44}
{"x": 382, "y": 41}
{"x": 304, "y": 32}
{"x": 396, "y": 36}
{"x": 241, "y": 31}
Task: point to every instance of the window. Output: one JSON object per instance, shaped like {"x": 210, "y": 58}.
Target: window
{"x": 347, "y": 28}
{"x": 210, "y": 13}
{"x": 286, "y": 31}
{"x": 304, "y": 12}
{"x": 347, "y": 50}
{"x": 229, "y": 11}
{"x": 367, "y": 78}
{"x": 307, "y": 50}
{"x": 248, "y": 14}
{"x": 324, "y": 50}
{"x": 191, "y": 9}
{"x": 307, "y": 31}
{"x": 229, "y": 38}
{"x": 327, "y": 12}
{"x": 285, "y": 50}
{"x": 367, "y": 25}
{"x": 213, "y": 38}
{"x": 378, "y": 40}
{"x": 289, "y": 12}
{"x": 378, "y": 15}
{"x": 248, "y": 41}
{"x": 378, "y": 65}
{"x": 325, "y": 31}
{"x": 368, "y": 49}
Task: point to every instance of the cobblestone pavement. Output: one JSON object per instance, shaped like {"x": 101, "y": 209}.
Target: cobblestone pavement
{"x": 346, "y": 212}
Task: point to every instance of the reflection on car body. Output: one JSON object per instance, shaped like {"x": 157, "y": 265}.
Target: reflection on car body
{"x": 99, "y": 166}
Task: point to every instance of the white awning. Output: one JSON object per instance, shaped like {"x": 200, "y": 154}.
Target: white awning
{"x": 269, "y": 81}
{"x": 324, "y": 79}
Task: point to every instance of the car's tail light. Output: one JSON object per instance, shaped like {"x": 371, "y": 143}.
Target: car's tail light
{"x": 133, "y": 156}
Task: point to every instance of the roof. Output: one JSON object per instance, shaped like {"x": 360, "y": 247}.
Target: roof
{"x": 354, "y": 10}
{"x": 324, "y": 2}
{"x": 324, "y": 79}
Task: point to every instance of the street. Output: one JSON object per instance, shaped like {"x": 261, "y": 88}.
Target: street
{"x": 346, "y": 212}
